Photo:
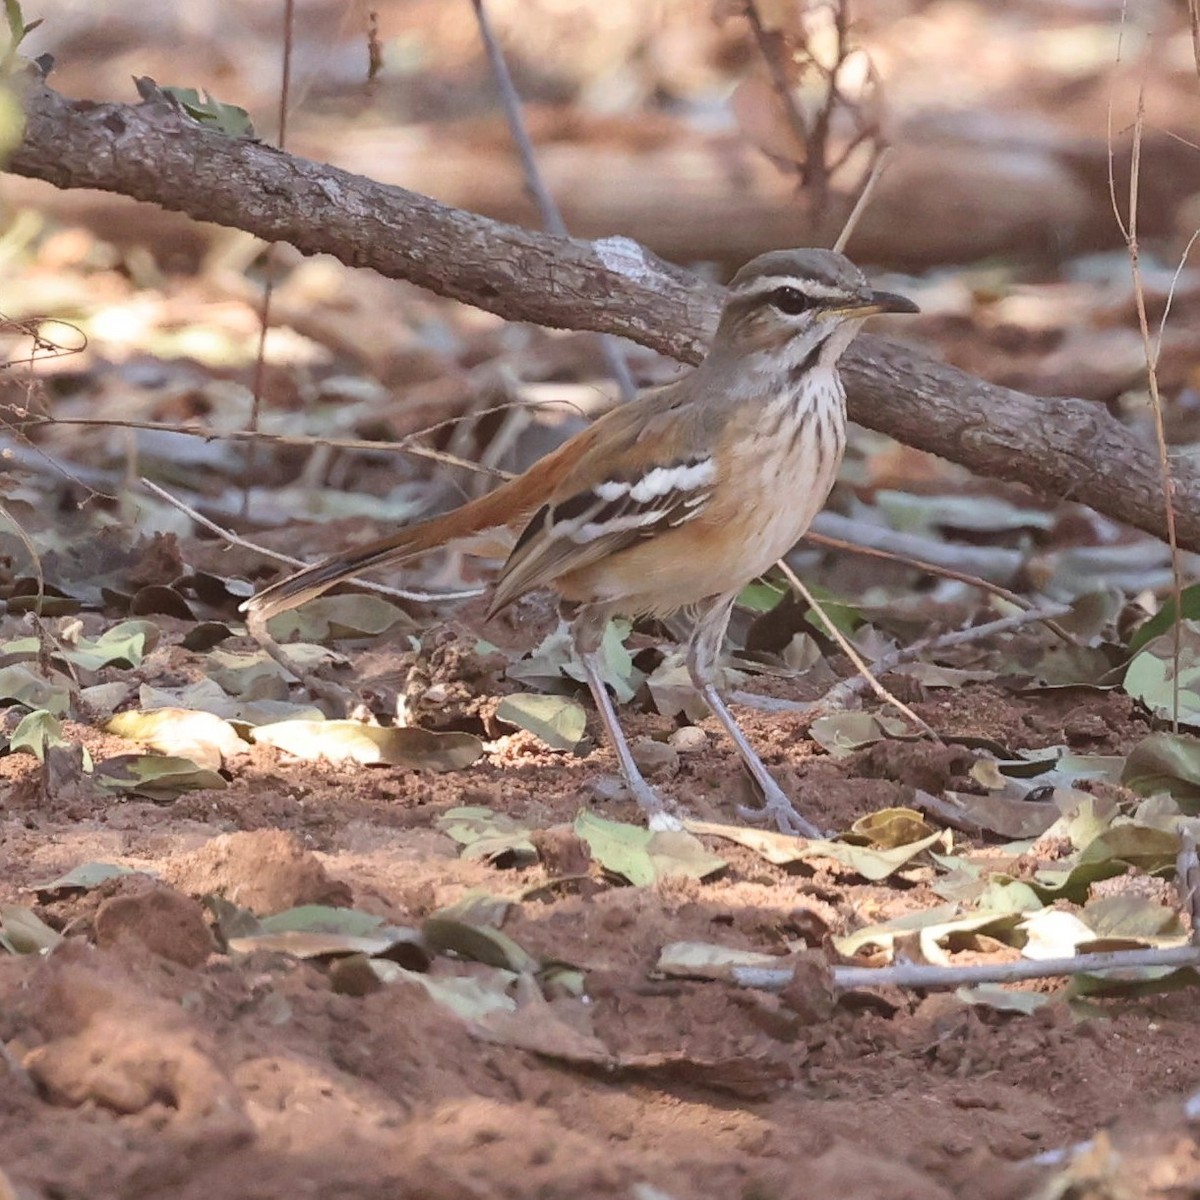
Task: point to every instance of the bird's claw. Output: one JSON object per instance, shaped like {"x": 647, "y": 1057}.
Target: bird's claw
{"x": 787, "y": 820}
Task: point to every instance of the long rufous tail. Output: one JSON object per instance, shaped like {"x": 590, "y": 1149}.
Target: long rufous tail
{"x": 513, "y": 503}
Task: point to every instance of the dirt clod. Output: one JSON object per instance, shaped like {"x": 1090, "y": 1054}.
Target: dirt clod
{"x": 150, "y": 914}
{"x": 265, "y": 871}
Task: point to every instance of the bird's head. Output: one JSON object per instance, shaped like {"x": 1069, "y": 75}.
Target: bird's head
{"x": 794, "y": 308}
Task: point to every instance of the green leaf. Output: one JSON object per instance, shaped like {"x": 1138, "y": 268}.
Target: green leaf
{"x": 643, "y": 857}
{"x": 1166, "y": 762}
{"x": 873, "y": 865}
{"x": 211, "y": 113}
{"x": 1132, "y": 982}
{"x": 999, "y": 999}
{"x": 1150, "y": 676}
{"x": 1149, "y": 850}
{"x": 707, "y": 960}
{"x": 84, "y": 878}
{"x": 324, "y": 918}
{"x": 761, "y": 596}
{"x": 888, "y": 828}
{"x": 1111, "y": 853}
{"x": 402, "y": 945}
{"x": 1005, "y": 815}
{"x": 18, "y": 30}
{"x": 35, "y": 732}
{"x": 1132, "y": 918}
{"x": 470, "y": 998}
{"x": 783, "y": 850}
{"x": 1007, "y": 895}
{"x": 843, "y": 733}
{"x": 555, "y": 720}
{"x": 124, "y": 645}
{"x": 19, "y": 685}
{"x": 935, "y": 930}
{"x": 323, "y": 931}
{"x": 477, "y": 943}
{"x": 673, "y": 692}
{"x": 1166, "y": 616}
{"x": 12, "y": 129}
{"x": 844, "y": 616}
{"x": 256, "y": 675}
{"x": 493, "y": 837}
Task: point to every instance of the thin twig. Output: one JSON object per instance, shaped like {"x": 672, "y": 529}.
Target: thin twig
{"x": 864, "y": 198}
{"x": 854, "y": 656}
{"x": 1187, "y": 881}
{"x": 264, "y": 312}
{"x": 770, "y": 44}
{"x": 233, "y": 539}
{"x": 840, "y": 693}
{"x": 837, "y": 696}
{"x": 283, "y": 439}
{"x": 1194, "y": 20}
{"x": 1160, "y": 433}
{"x": 920, "y": 975}
{"x": 1129, "y": 232}
{"x": 550, "y": 214}
{"x": 931, "y": 568}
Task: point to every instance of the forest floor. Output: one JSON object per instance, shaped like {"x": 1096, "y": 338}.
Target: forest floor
{"x": 407, "y": 937}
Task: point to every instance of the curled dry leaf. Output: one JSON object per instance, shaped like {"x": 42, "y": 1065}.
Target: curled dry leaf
{"x": 159, "y": 777}
{"x": 185, "y": 733}
{"x": 706, "y": 960}
{"x": 350, "y": 741}
{"x": 353, "y": 614}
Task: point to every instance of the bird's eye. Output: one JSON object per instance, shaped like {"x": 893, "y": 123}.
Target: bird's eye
{"x": 791, "y": 300}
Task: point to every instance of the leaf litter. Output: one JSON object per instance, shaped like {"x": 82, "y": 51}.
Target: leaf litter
{"x": 1065, "y": 835}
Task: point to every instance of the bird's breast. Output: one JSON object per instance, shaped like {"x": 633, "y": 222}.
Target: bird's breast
{"x": 788, "y": 465}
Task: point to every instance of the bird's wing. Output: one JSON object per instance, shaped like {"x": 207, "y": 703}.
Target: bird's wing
{"x": 633, "y": 504}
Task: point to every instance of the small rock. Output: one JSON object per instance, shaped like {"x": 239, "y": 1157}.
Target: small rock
{"x": 561, "y": 851}
{"x": 810, "y": 993}
{"x": 655, "y": 758}
{"x": 606, "y": 788}
{"x": 691, "y": 739}
{"x": 158, "y": 917}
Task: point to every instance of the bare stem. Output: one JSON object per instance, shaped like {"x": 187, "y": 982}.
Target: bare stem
{"x": 551, "y": 216}
{"x": 854, "y": 656}
{"x": 919, "y": 975}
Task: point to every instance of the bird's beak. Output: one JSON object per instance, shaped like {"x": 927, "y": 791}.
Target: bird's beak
{"x": 879, "y": 302}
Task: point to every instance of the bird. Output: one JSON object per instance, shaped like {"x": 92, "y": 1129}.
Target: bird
{"x": 675, "y": 500}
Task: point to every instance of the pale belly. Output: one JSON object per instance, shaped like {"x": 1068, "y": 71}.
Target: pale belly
{"x": 795, "y": 488}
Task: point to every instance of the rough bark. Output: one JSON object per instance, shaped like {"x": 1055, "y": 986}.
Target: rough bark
{"x": 151, "y": 152}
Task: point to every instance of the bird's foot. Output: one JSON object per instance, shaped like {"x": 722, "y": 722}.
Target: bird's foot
{"x": 659, "y": 818}
{"x": 659, "y": 813}
{"x": 778, "y": 808}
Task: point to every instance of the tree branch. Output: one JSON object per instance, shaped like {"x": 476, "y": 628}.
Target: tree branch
{"x": 1058, "y": 447}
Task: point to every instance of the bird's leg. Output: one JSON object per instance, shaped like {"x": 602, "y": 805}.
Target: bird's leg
{"x": 703, "y": 656}
{"x": 587, "y": 630}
